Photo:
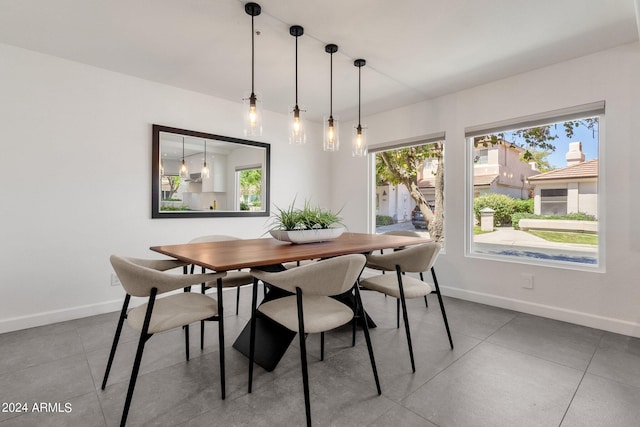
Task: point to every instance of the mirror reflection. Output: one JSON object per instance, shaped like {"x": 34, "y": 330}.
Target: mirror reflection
{"x": 199, "y": 174}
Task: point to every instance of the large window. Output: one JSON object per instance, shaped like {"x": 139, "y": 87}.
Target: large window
{"x": 534, "y": 189}
{"x": 409, "y": 184}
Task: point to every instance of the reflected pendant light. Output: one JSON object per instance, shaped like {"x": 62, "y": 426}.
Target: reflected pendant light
{"x": 359, "y": 146}
{"x": 331, "y": 140}
{"x": 184, "y": 172}
{"x": 204, "y": 173}
{"x": 297, "y": 134}
{"x": 252, "y": 103}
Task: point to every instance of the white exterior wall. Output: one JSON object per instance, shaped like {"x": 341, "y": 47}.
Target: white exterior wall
{"x": 88, "y": 131}
{"x": 581, "y": 196}
{"x": 588, "y": 198}
{"x": 396, "y": 203}
{"x": 607, "y": 300}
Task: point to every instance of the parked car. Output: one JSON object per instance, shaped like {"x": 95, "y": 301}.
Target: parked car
{"x": 417, "y": 218}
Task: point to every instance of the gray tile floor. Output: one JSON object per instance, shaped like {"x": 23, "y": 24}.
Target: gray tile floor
{"x": 507, "y": 369}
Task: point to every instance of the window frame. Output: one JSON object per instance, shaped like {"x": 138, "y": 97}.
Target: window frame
{"x": 395, "y": 145}
{"x": 595, "y": 109}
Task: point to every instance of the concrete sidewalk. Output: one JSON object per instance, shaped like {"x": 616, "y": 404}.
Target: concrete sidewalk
{"x": 507, "y": 236}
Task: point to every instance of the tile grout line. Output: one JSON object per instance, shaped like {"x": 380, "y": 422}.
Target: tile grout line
{"x": 581, "y": 379}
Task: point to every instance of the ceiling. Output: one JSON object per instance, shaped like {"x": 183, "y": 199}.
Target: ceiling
{"x": 415, "y": 49}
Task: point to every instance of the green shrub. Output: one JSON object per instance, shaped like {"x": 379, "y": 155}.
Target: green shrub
{"x": 383, "y": 220}
{"x": 523, "y": 206}
{"x": 502, "y": 205}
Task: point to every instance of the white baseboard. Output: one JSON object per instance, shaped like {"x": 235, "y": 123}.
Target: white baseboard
{"x": 63, "y": 315}
{"x": 55, "y": 316}
{"x": 557, "y": 313}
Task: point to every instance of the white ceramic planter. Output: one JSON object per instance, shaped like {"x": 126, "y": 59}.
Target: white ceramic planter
{"x": 307, "y": 236}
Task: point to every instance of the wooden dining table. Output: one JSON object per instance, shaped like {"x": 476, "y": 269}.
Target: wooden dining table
{"x": 268, "y": 253}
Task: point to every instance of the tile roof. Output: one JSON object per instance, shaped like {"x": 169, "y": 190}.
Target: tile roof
{"x": 477, "y": 180}
{"x": 484, "y": 179}
{"x": 588, "y": 169}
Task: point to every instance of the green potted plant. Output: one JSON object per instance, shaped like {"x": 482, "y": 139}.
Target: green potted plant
{"x": 306, "y": 225}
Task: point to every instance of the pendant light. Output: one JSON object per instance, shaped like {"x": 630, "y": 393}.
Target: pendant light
{"x": 359, "y": 146}
{"x": 252, "y": 103}
{"x": 297, "y": 134}
{"x": 184, "y": 171}
{"x": 204, "y": 173}
{"x": 331, "y": 140}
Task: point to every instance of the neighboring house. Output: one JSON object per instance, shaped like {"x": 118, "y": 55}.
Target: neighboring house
{"x": 498, "y": 169}
{"x": 394, "y": 201}
{"x": 571, "y": 189}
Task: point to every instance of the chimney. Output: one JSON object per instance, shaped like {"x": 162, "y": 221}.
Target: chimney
{"x": 575, "y": 155}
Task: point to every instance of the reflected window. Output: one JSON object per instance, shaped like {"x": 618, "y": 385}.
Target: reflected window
{"x": 249, "y": 188}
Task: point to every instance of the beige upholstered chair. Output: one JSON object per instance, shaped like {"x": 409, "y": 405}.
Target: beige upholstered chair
{"x": 144, "y": 278}
{"x": 233, "y": 279}
{"x": 412, "y": 259}
{"x": 408, "y": 233}
{"x": 311, "y": 309}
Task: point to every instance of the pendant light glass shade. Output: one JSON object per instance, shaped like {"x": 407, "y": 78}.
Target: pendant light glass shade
{"x": 359, "y": 144}
{"x": 251, "y": 101}
{"x": 204, "y": 172}
{"x": 331, "y": 137}
{"x": 252, "y": 114}
{"x": 297, "y": 134}
{"x": 331, "y": 141}
{"x": 184, "y": 171}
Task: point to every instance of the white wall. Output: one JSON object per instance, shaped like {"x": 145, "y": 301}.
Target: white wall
{"x": 76, "y": 163}
{"x": 608, "y": 300}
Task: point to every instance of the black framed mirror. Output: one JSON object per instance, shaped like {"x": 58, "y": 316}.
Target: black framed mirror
{"x": 197, "y": 174}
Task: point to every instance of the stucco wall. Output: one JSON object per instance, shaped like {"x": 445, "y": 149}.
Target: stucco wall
{"x": 76, "y": 150}
{"x": 606, "y": 300}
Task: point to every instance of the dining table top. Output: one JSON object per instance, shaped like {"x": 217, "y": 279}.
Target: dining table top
{"x": 247, "y": 253}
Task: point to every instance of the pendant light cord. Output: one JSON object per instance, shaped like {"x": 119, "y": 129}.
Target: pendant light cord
{"x": 359, "y": 92}
{"x": 331, "y": 87}
{"x": 296, "y": 71}
{"x": 252, "y": 53}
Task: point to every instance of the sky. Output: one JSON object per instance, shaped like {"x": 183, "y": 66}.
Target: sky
{"x": 589, "y": 141}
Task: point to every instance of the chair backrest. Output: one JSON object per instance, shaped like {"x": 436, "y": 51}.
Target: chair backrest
{"x": 213, "y": 238}
{"x": 333, "y": 276}
{"x": 137, "y": 279}
{"x": 412, "y": 259}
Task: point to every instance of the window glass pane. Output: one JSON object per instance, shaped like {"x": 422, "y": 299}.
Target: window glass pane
{"x": 399, "y": 208}
{"x": 535, "y": 193}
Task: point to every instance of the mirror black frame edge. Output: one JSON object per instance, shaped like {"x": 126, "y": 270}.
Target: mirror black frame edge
{"x": 155, "y": 173}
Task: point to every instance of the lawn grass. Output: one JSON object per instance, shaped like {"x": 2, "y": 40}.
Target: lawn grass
{"x": 477, "y": 230}
{"x": 565, "y": 237}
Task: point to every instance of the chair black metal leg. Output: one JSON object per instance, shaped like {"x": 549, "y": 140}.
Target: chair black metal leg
{"x": 237, "y": 299}
{"x": 116, "y": 338}
{"x": 365, "y": 327}
{"x": 405, "y": 317}
{"x": 203, "y": 288}
{"x": 221, "y": 336}
{"x": 426, "y": 303}
{"x": 144, "y": 336}
{"x": 303, "y": 356}
{"x": 202, "y": 335}
{"x": 321, "y": 345}
{"x": 186, "y": 340}
{"x": 252, "y": 340}
{"x": 444, "y": 314}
